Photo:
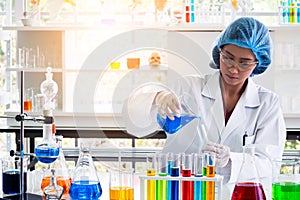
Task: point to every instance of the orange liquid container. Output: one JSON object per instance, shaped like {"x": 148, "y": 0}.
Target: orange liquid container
{"x": 64, "y": 182}
{"x": 27, "y": 105}
{"x": 121, "y": 193}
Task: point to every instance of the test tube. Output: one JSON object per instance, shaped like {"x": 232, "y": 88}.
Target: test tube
{"x": 187, "y": 186}
{"x": 210, "y": 172}
{"x": 204, "y": 165}
{"x": 170, "y": 163}
{"x": 151, "y": 171}
{"x": 197, "y": 171}
{"x": 173, "y": 192}
{"x": 161, "y": 185}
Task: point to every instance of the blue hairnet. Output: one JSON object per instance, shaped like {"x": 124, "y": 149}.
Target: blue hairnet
{"x": 248, "y": 33}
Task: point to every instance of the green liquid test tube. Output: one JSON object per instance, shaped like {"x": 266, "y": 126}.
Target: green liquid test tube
{"x": 161, "y": 188}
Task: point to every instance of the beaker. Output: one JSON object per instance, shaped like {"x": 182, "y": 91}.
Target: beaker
{"x": 188, "y": 108}
{"x": 11, "y": 171}
{"x": 286, "y": 178}
{"x": 121, "y": 184}
{"x": 85, "y": 183}
{"x": 248, "y": 184}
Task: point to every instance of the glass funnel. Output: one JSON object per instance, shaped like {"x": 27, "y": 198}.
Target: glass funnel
{"x": 248, "y": 186}
{"x": 61, "y": 170}
{"x": 188, "y": 106}
{"x": 49, "y": 88}
{"x": 47, "y": 150}
{"x": 85, "y": 183}
{"x": 53, "y": 191}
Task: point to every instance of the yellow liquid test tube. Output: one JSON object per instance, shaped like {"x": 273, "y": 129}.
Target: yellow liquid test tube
{"x": 151, "y": 185}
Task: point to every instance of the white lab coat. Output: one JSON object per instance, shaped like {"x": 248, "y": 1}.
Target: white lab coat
{"x": 257, "y": 114}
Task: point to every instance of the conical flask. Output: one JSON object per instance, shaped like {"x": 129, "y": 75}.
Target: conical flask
{"x": 188, "y": 106}
{"x": 248, "y": 186}
{"x": 47, "y": 150}
{"x": 85, "y": 183}
{"x": 62, "y": 174}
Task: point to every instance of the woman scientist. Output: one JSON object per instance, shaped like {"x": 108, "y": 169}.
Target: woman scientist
{"x": 234, "y": 110}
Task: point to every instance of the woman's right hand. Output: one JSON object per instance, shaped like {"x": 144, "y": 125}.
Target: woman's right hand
{"x": 167, "y": 104}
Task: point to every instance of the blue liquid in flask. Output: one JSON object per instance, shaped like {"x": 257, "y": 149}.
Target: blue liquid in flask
{"x": 172, "y": 126}
{"x": 90, "y": 190}
{"x": 46, "y": 154}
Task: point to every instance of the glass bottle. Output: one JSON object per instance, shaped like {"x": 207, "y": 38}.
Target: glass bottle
{"x": 53, "y": 191}
{"x": 62, "y": 174}
{"x": 49, "y": 88}
{"x": 248, "y": 184}
{"x": 85, "y": 183}
{"x": 47, "y": 150}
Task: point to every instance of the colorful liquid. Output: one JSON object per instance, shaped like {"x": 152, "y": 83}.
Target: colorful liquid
{"x": 173, "y": 192}
{"x": 11, "y": 182}
{"x": 85, "y": 190}
{"x": 46, "y": 154}
{"x": 27, "y": 105}
{"x": 64, "y": 182}
{"x": 210, "y": 190}
{"x": 151, "y": 185}
{"x": 210, "y": 171}
{"x": 198, "y": 189}
{"x": 172, "y": 126}
{"x": 187, "y": 186}
{"x": 248, "y": 191}
{"x": 286, "y": 191}
{"x": 161, "y": 188}
{"x": 121, "y": 193}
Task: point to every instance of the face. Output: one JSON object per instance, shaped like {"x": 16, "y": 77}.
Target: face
{"x": 236, "y": 64}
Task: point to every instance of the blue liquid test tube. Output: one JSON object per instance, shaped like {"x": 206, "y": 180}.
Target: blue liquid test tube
{"x": 174, "y": 195}
{"x": 284, "y": 12}
{"x": 197, "y": 171}
{"x": 298, "y": 12}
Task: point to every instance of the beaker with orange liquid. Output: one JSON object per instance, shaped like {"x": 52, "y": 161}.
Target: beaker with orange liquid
{"x": 121, "y": 184}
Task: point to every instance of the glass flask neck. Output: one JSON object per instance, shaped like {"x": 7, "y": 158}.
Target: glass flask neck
{"x": 47, "y": 132}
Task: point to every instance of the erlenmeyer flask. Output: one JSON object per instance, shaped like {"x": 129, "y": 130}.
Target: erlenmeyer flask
{"x": 248, "y": 186}
{"x": 62, "y": 174}
{"x": 47, "y": 150}
{"x": 85, "y": 183}
{"x": 188, "y": 105}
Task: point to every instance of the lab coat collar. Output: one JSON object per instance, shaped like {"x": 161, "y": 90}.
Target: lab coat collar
{"x": 249, "y": 98}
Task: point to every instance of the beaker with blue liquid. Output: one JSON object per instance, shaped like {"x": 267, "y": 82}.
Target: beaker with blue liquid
{"x": 188, "y": 106}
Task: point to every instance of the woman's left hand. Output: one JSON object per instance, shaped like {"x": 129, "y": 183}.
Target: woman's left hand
{"x": 222, "y": 153}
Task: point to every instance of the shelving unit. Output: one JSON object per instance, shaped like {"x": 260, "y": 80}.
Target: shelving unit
{"x": 70, "y": 65}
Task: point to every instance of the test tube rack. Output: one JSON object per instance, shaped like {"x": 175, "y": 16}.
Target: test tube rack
{"x": 217, "y": 179}
{"x": 203, "y": 13}
{"x": 289, "y": 14}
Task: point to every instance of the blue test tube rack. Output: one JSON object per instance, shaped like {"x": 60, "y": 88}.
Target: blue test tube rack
{"x": 217, "y": 179}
